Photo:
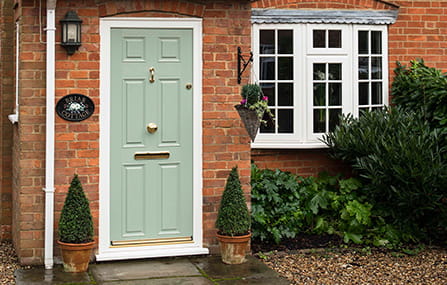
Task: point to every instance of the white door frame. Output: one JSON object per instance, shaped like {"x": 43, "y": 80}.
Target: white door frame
{"x": 105, "y": 251}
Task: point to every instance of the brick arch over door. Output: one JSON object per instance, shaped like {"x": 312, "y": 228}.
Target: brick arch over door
{"x": 177, "y": 7}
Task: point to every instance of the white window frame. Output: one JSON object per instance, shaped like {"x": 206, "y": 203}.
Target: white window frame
{"x": 302, "y": 136}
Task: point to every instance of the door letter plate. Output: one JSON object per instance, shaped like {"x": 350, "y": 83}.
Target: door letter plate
{"x": 152, "y": 155}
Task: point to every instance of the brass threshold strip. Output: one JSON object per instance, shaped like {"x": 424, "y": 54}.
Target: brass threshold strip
{"x": 158, "y": 241}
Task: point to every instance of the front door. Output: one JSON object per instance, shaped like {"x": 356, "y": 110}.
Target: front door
{"x": 151, "y": 136}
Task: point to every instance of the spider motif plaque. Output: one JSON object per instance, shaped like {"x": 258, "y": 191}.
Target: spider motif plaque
{"x": 75, "y": 107}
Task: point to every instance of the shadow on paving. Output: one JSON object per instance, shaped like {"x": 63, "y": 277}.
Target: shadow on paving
{"x": 167, "y": 271}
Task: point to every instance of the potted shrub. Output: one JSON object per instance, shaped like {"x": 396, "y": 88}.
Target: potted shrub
{"x": 76, "y": 229}
{"x": 253, "y": 108}
{"x": 233, "y": 221}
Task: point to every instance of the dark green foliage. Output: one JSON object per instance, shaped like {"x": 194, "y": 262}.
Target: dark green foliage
{"x": 275, "y": 204}
{"x": 422, "y": 89}
{"x": 284, "y": 205}
{"x": 76, "y": 224}
{"x": 233, "y": 218}
{"x": 401, "y": 161}
{"x": 252, "y": 93}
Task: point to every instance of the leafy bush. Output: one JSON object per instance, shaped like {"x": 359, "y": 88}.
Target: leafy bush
{"x": 76, "y": 224}
{"x": 422, "y": 89}
{"x": 275, "y": 204}
{"x": 401, "y": 161}
{"x": 233, "y": 218}
{"x": 284, "y": 205}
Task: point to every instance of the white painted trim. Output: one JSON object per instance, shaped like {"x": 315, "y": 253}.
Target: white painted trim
{"x": 50, "y": 145}
{"x": 105, "y": 252}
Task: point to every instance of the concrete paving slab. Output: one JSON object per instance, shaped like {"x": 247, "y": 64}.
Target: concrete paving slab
{"x": 163, "y": 281}
{"x": 143, "y": 269}
{"x": 217, "y": 270}
{"x": 56, "y": 276}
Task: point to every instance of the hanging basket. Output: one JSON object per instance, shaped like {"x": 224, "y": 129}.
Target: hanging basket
{"x": 250, "y": 119}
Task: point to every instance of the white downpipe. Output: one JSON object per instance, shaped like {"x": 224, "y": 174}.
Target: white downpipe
{"x": 49, "y": 152}
{"x": 14, "y": 117}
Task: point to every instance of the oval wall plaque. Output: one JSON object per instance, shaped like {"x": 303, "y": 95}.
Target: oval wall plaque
{"x": 75, "y": 107}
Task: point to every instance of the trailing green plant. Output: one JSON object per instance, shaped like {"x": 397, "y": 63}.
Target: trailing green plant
{"x": 422, "y": 89}
{"x": 233, "y": 218}
{"x": 76, "y": 223}
{"x": 254, "y": 99}
{"x": 284, "y": 205}
{"x": 400, "y": 159}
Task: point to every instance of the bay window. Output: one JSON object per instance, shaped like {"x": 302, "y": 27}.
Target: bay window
{"x": 314, "y": 72}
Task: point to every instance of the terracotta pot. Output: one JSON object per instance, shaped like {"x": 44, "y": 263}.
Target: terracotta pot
{"x": 76, "y": 256}
{"x": 233, "y": 249}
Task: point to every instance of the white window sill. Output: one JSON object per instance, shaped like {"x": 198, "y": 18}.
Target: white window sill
{"x": 288, "y": 145}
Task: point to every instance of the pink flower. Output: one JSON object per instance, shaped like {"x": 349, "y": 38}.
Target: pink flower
{"x": 244, "y": 101}
{"x": 265, "y": 98}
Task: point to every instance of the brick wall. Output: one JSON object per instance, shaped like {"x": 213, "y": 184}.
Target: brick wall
{"x": 225, "y": 144}
{"x": 420, "y": 32}
{"x": 6, "y": 107}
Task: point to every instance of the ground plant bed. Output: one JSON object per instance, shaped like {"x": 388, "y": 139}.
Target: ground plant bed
{"x": 325, "y": 260}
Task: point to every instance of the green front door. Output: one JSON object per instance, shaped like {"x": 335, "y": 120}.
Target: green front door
{"x": 151, "y": 145}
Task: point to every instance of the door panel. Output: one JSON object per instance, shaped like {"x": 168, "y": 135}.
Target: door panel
{"x": 151, "y": 198}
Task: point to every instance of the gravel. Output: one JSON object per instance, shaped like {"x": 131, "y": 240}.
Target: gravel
{"x": 324, "y": 265}
{"x": 359, "y": 266}
{"x": 8, "y": 263}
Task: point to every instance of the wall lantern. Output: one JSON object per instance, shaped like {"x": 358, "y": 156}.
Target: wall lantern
{"x": 71, "y": 32}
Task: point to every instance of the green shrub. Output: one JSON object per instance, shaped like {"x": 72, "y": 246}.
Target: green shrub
{"x": 76, "y": 224}
{"x": 275, "y": 204}
{"x": 233, "y": 218}
{"x": 401, "y": 161}
{"x": 422, "y": 89}
{"x": 284, "y": 205}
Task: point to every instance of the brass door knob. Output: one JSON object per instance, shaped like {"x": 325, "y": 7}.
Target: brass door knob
{"x": 152, "y": 128}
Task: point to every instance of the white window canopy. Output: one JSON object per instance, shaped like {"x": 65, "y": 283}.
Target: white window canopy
{"x": 288, "y": 16}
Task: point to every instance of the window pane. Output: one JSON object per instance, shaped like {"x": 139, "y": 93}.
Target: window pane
{"x": 267, "y": 68}
{"x": 319, "y": 38}
{"x": 363, "y": 67}
{"x": 363, "y": 93}
{"x": 334, "y": 71}
{"x": 285, "y": 68}
{"x": 285, "y": 121}
{"x": 334, "y": 118}
{"x": 363, "y": 42}
{"x": 319, "y": 71}
{"x": 335, "y": 94}
{"x": 376, "y": 90}
{"x": 335, "y": 38}
{"x": 319, "y": 94}
{"x": 267, "y": 42}
{"x": 268, "y": 89}
{"x": 376, "y": 42}
{"x": 268, "y": 128}
{"x": 285, "y": 42}
{"x": 319, "y": 121}
{"x": 285, "y": 94}
{"x": 376, "y": 67}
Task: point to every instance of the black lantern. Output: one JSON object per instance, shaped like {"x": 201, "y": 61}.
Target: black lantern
{"x": 71, "y": 32}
